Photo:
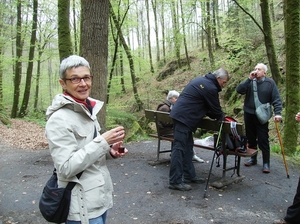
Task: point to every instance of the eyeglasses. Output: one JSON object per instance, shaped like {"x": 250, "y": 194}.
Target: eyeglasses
{"x": 76, "y": 80}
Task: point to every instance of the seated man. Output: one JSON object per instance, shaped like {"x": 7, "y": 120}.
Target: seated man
{"x": 166, "y": 129}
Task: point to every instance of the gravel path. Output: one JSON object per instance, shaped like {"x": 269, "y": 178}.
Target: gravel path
{"x": 141, "y": 193}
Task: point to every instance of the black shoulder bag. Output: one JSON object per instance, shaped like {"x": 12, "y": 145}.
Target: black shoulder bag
{"x": 55, "y": 202}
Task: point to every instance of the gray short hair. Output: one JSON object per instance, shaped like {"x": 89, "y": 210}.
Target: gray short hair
{"x": 172, "y": 93}
{"x": 265, "y": 67}
{"x": 71, "y": 62}
{"x": 222, "y": 73}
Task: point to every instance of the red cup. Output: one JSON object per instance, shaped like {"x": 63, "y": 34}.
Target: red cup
{"x": 121, "y": 149}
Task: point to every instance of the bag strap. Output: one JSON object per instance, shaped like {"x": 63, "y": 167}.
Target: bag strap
{"x": 233, "y": 130}
{"x": 256, "y": 100}
{"x": 71, "y": 185}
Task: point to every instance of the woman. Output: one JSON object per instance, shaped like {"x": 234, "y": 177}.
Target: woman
{"x": 76, "y": 146}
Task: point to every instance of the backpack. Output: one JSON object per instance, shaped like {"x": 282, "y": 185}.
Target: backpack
{"x": 234, "y": 141}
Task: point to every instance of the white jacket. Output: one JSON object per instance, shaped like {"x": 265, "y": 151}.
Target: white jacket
{"x": 70, "y": 132}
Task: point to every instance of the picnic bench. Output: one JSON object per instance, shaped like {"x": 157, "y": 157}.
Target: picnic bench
{"x": 209, "y": 125}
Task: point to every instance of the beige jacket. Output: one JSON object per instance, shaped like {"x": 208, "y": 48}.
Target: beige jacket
{"x": 70, "y": 132}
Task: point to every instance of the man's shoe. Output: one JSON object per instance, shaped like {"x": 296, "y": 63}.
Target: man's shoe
{"x": 281, "y": 221}
{"x": 196, "y": 180}
{"x": 266, "y": 168}
{"x": 180, "y": 187}
{"x": 197, "y": 159}
{"x": 250, "y": 162}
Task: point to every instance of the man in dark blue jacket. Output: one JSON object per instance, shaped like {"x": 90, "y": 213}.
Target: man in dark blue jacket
{"x": 199, "y": 98}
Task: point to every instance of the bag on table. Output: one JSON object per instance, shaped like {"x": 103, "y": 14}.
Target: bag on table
{"x": 54, "y": 203}
{"x": 234, "y": 141}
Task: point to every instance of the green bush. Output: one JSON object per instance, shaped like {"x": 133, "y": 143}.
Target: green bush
{"x": 129, "y": 121}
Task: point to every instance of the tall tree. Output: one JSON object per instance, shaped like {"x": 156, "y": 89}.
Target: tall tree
{"x": 267, "y": 32}
{"x": 270, "y": 47}
{"x": 94, "y": 47}
{"x": 208, "y": 26}
{"x": 18, "y": 63}
{"x": 292, "y": 34}
{"x": 184, "y": 36}
{"x": 2, "y": 44}
{"x": 26, "y": 95}
{"x": 149, "y": 37}
{"x": 116, "y": 45}
{"x": 154, "y": 8}
{"x": 215, "y": 11}
{"x": 176, "y": 32}
{"x": 130, "y": 59}
{"x": 162, "y": 23}
{"x": 64, "y": 37}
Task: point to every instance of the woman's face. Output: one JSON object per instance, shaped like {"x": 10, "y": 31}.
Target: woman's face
{"x": 174, "y": 99}
{"x": 82, "y": 89}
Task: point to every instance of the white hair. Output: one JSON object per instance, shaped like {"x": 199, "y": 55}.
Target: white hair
{"x": 71, "y": 62}
{"x": 265, "y": 67}
{"x": 221, "y": 73}
{"x": 172, "y": 93}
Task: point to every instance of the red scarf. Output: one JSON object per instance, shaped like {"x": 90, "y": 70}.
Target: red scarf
{"x": 88, "y": 103}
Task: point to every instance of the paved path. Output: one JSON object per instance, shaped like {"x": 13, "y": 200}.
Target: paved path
{"x": 141, "y": 191}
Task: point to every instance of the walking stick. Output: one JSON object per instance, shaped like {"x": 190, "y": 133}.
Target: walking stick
{"x": 215, "y": 152}
{"x": 282, "y": 150}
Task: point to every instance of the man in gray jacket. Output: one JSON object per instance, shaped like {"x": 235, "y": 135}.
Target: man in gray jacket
{"x": 76, "y": 146}
{"x": 257, "y": 133}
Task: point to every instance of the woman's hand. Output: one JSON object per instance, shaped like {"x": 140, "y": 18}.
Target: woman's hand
{"x": 298, "y": 117}
{"x": 118, "y": 150}
{"x": 114, "y": 135}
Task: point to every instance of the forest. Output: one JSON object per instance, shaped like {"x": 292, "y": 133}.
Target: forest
{"x": 140, "y": 49}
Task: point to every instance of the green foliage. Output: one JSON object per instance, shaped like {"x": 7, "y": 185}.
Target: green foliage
{"x": 38, "y": 117}
{"x": 275, "y": 148}
{"x": 117, "y": 117}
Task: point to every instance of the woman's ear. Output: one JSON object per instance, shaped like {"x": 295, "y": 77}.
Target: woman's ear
{"x": 63, "y": 84}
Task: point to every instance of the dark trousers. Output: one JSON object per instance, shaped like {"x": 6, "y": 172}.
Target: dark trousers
{"x": 257, "y": 135}
{"x": 182, "y": 154}
{"x": 293, "y": 212}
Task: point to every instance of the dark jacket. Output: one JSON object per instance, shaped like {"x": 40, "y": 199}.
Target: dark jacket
{"x": 166, "y": 129}
{"x": 267, "y": 92}
{"x": 200, "y": 97}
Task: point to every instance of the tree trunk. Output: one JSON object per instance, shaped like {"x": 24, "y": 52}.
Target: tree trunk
{"x": 154, "y": 7}
{"x": 270, "y": 48}
{"x": 215, "y": 10}
{"x": 176, "y": 32}
{"x": 76, "y": 33}
{"x": 130, "y": 59}
{"x": 149, "y": 37}
{"x": 292, "y": 33}
{"x": 94, "y": 47}
{"x": 64, "y": 36}
{"x": 26, "y": 95}
{"x": 203, "y": 25}
{"x": 163, "y": 32}
{"x": 209, "y": 39}
{"x": 113, "y": 63}
{"x": 184, "y": 37}
{"x": 18, "y": 63}
{"x": 37, "y": 81}
{"x": 121, "y": 62}
{"x": 2, "y": 44}
{"x": 267, "y": 31}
